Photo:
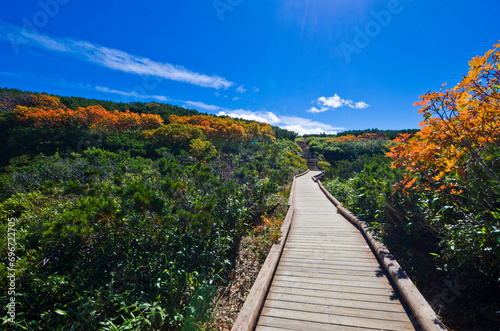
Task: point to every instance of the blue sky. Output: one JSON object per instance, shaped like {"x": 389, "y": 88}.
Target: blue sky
{"x": 306, "y": 65}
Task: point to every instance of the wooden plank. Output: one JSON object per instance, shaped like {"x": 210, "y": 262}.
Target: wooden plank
{"x": 374, "y": 270}
{"x": 387, "y": 298}
{"x": 271, "y": 328}
{"x": 332, "y": 274}
{"x": 346, "y": 262}
{"x": 336, "y": 302}
{"x": 294, "y": 324}
{"x": 357, "y": 274}
{"x": 340, "y": 261}
{"x": 325, "y": 233}
{"x": 328, "y": 246}
{"x": 334, "y": 236}
{"x": 297, "y": 282}
{"x": 327, "y": 238}
{"x": 335, "y": 281}
{"x": 293, "y": 246}
{"x": 330, "y": 232}
{"x": 350, "y": 279}
{"x": 333, "y": 229}
{"x": 341, "y": 231}
{"x": 334, "y": 320}
{"x": 333, "y": 254}
{"x": 309, "y": 307}
{"x": 329, "y": 241}
{"x": 339, "y": 264}
{"x": 330, "y": 254}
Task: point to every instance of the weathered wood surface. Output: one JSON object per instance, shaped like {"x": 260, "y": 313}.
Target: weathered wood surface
{"x": 327, "y": 277}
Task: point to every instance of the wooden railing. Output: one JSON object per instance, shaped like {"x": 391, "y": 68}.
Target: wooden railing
{"x": 421, "y": 309}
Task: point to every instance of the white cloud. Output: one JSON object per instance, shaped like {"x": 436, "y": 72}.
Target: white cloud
{"x": 236, "y": 98}
{"x": 259, "y": 116}
{"x": 297, "y": 124}
{"x": 332, "y": 102}
{"x": 361, "y": 105}
{"x": 10, "y": 74}
{"x": 255, "y": 89}
{"x": 241, "y": 89}
{"x": 301, "y": 130}
{"x": 307, "y": 126}
{"x": 316, "y": 110}
{"x": 132, "y": 94}
{"x": 108, "y": 57}
{"x": 335, "y": 102}
{"x": 202, "y": 105}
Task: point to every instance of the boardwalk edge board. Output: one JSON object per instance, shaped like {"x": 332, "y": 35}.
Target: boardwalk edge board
{"x": 249, "y": 314}
{"x": 419, "y": 306}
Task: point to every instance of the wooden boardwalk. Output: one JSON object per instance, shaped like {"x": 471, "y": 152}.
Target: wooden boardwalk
{"x": 327, "y": 277}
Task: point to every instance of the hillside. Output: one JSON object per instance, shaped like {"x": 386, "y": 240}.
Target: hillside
{"x": 130, "y": 215}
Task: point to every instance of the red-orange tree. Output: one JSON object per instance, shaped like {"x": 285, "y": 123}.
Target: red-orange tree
{"x": 456, "y": 156}
{"x": 96, "y": 117}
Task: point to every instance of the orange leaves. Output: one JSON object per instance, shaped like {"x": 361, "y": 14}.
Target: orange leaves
{"x": 95, "y": 117}
{"x": 348, "y": 137}
{"x": 459, "y": 124}
{"x": 226, "y": 128}
{"x": 48, "y": 112}
{"x": 364, "y": 136}
{"x": 148, "y": 121}
{"x": 422, "y": 102}
{"x": 45, "y": 100}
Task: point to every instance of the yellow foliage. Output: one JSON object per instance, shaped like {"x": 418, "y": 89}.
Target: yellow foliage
{"x": 202, "y": 150}
{"x": 226, "y": 128}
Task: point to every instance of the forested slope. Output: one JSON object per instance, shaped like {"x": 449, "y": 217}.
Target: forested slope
{"x": 128, "y": 216}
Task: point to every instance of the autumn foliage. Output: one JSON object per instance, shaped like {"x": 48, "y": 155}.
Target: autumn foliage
{"x": 218, "y": 128}
{"x": 44, "y": 100}
{"x": 455, "y": 160}
{"x": 48, "y": 112}
{"x": 364, "y": 136}
{"x": 460, "y": 132}
{"x": 173, "y": 135}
